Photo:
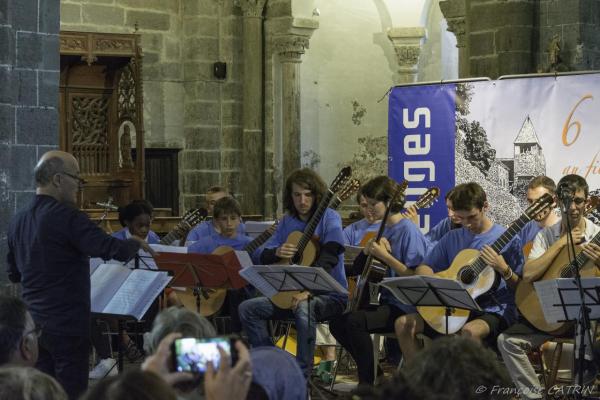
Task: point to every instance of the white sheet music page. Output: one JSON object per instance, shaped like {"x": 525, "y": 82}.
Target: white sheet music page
{"x": 252, "y": 275}
{"x": 105, "y": 282}
{"x": 133, "y": 290}
{"x": 547, "y": 292}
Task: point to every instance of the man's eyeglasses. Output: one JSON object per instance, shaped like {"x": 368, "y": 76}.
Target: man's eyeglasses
{"x": 579, "y": 200}
{"x": 79, "y": 180}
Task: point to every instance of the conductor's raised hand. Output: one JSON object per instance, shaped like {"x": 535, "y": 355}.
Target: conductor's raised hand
{"x": 144, "y": 245}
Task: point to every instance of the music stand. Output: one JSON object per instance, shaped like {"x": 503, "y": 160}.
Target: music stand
{"x": 430, "y": 291}
{"x": 273, "y": 279}
{"x": 198, "y": 271}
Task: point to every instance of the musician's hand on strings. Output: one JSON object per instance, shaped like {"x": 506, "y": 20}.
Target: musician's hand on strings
{"x": 592, "y": 250}
{"x": 229, "y": 382}
{"x": 494, "y": 260}
{"x": 298, "y": 298}
{"x": 144, "y": 245}
{"x": 159, "y": 362}
{"x": 286, "y": 250}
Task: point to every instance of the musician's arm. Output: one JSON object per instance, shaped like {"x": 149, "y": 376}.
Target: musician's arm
{"x": 424, "y": 270}
{"x": 540, "y": 259}
{"x": 499, "y": 264}
{"x": 13, "y": 272}
{"x": 329, "y": 255}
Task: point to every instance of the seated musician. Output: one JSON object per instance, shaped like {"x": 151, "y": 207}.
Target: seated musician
{"x": 548, "y": 243}
{"x": 537, "y": 187}
{"x": 402, "y": 249}
{"x": 356, "y": 232}
{"x": 445, "y": 225}
{"x": 477, "y": 232}
{"x": 303, "y": 192}
{"x": 207, "y": 228}
{"x": 136, "y": 218}
{"x": 227, "y": 215}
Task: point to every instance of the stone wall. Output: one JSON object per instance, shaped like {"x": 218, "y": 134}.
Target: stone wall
{"x": 29, "y": 66}
{"x": 185, "y": 106}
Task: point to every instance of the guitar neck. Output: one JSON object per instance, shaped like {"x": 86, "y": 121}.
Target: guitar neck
{"x": 313, "y": 222}
{"x": 579, "y": 260}
{"x": 259, "y": 240}
{"x": 508, "y": 235}
{"x": 175, "y": 234}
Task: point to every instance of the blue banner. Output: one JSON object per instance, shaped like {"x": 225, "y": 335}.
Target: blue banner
{"x": 421, "y": 133}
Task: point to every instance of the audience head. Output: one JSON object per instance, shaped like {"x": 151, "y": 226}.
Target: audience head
{"x": 303, "y": 192}
{"x": 454, "y": 368}
{"x": 137, "y": 217}
{"x": 276, "y": 374}
{"x": 18, "y": 333}
{"x": 27, "y": 383}
{"x": 57, "y": 175}
{"x": 182, "y": 320}
{"x": 212, "y": 195}
{"x": 133, "y": 384}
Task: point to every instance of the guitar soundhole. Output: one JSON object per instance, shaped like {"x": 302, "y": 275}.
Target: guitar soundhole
{"x": 467, "y": 276}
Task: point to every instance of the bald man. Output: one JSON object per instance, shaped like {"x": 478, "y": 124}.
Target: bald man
{"x": 49, "y": 244}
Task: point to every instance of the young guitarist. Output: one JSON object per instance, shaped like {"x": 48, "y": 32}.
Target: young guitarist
{"x": 478, "y": 232}
{"x": 303, "y": 191}
{"x": 547, "y": 245}
{"x": 206, "y": 228}
{"x": 445, "y": 225}
{"x": 402, "y": 248}
{"x": 226, "y": 220}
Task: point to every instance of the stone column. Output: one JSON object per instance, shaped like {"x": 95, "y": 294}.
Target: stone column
{"x": 455, "y": 12}
{"x": 252, "y": 166}
{"x": 407, "y": 44}
{"x": 290, "y": 49}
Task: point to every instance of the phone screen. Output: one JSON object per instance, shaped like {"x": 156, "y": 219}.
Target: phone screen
{"x": 193, "y": 354}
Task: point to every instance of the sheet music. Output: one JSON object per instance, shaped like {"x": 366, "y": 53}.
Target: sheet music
{"x": 272, "y": 279}
{"x": 255, "y": 228}
{"x": 351, "y": 252}
{"x": 549, "y": 293}
{"x": 136, "y": 288}
{"x": 94, "y": 262}
{"x": 251, "y": 274}
{"x": 161, "y": 248}
{"x": 105, "y": 282}
{"x": 159, "y": 284}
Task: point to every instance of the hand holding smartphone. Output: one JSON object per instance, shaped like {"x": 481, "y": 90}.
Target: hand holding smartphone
{"x": 193, "y": 354}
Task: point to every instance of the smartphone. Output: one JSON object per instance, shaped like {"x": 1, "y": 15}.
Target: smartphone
{"x": 193, "y": 354}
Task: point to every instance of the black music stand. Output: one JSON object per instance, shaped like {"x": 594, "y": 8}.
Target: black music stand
{"x": 561, "y": 302}
{"x": 430, "y": 291}
{"x": 273, "y": 279}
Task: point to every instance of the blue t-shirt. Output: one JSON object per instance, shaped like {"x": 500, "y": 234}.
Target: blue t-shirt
{"x": 438, "y": 231}
{"x": 498, "y": 301}
{"x": 355, "y": 232}
{"x": 409, "y": 247}
{"x": 329, "y": 229}
{"x": 151, "y": 239}
{"x": 208, "y": 244}
{"x": 206, "y": 228}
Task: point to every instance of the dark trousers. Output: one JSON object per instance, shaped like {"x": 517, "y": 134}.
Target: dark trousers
{"x": 100, "y": 339}
{"x": 66, "y": 359}
{"x": 353, "y": 331}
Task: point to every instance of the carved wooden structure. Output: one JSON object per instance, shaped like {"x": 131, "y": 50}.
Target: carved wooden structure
{"x": 101, "y": 117}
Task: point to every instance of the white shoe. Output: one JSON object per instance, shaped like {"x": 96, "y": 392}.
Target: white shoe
{"x": 106, "y": 367}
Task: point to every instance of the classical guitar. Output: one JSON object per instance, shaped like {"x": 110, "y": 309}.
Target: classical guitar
{"x": 424, "y": 201}
{"x": 476, "y": 276}
{"x": 373, "y": 273}
{"x": 527, "y": 300}
{"x": 308, "y": 246}
{"x": 212, "y": 299}
{"x": 188, "y": 221}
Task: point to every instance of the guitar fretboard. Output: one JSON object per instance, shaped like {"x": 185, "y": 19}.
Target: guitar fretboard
{"x": 260, "y": 239}
{"x": 309, "y": 230}
{"x": 579, "y": 261}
